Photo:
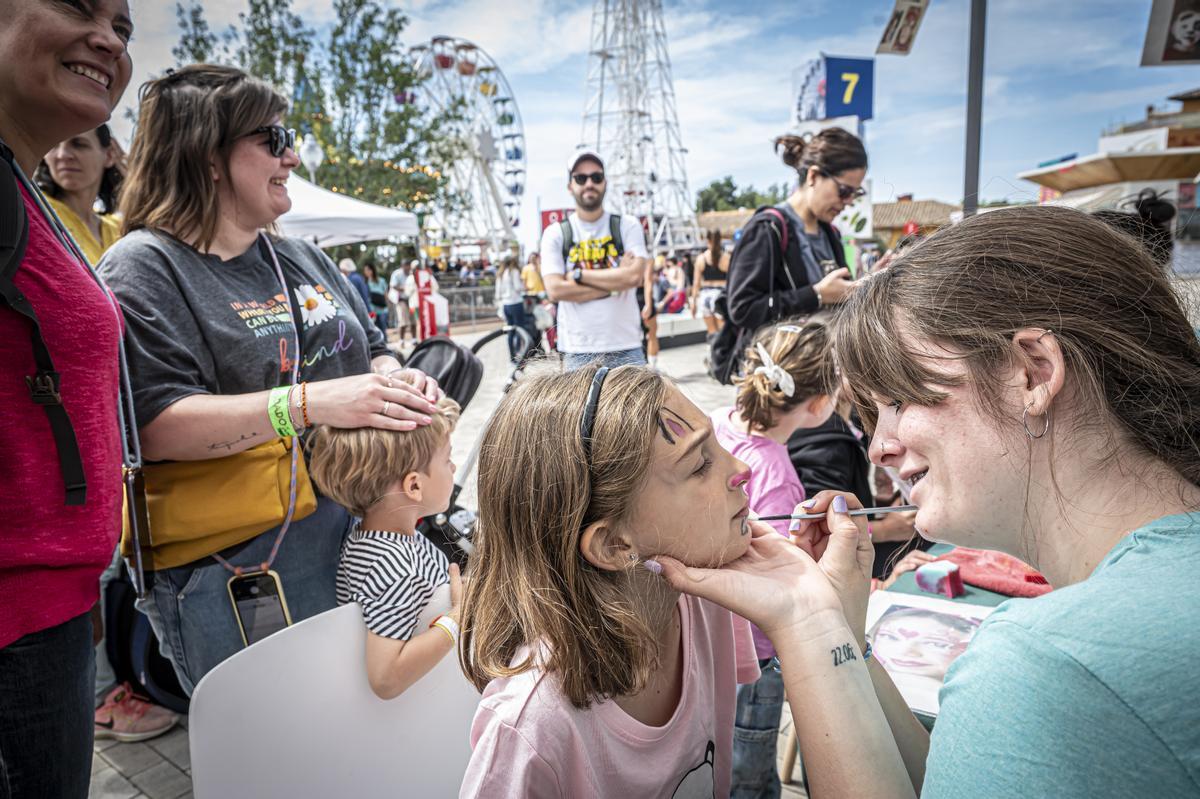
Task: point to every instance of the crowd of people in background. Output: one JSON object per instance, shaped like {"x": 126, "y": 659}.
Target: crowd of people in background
{"x": 1028, "y": 379}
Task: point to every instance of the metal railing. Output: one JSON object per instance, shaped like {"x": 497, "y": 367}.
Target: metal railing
{"x": 472, "y": 305}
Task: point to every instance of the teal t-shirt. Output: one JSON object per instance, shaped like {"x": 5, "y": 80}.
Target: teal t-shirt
{"x": 1089, "y": 691}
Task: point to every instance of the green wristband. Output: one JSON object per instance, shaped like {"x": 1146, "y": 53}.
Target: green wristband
{"x": 277, "y": 412}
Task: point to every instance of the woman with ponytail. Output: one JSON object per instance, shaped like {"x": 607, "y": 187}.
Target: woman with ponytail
{"x": 710, "y": 270}
{"x": 789, "y": 260}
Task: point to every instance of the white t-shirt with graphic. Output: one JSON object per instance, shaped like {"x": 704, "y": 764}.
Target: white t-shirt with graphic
{"x": 610, "y": 324}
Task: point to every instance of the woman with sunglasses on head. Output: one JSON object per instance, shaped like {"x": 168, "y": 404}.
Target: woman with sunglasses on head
{"x": 776, "y": 272}
{"x": 237, "y": 340}
{"x": 63, "y": 68}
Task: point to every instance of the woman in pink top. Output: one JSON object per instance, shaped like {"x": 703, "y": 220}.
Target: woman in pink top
{"x": 63, "y": 67}
{"x": 600, "y": 680}
{"x": 787, "y": 385}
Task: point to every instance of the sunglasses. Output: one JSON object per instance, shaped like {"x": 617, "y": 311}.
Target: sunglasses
{"x": 279, "y": 139}
{"x": 845, "y": 192}
{"x": 580, "y": 180}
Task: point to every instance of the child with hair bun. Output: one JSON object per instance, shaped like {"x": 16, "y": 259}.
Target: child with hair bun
{"x": 787, "y": 384}
{"x": 391, "y": 479}
{"x": 598, "y": 678}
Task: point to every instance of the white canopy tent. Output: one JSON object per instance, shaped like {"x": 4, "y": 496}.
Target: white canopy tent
{"x": 330, "y": 219}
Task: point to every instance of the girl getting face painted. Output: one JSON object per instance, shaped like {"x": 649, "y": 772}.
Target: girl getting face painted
{"x": 583, "y": 476}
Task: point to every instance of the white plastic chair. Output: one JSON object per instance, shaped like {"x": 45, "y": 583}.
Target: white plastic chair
{"x": 294, "y": 716}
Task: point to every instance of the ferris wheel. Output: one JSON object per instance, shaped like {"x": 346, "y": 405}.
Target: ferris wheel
{"x": 489, "y": 175}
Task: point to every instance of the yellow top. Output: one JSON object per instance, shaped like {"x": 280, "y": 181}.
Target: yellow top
{"x": 533, "y": 279}
{"x": 110, "y": 231}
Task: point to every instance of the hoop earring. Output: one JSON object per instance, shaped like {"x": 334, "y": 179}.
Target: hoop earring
{"x": 1025, "y": 423}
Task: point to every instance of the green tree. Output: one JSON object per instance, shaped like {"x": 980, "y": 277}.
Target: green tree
{"x": 724, "y": 195}
{"x": 720, "y": 195}
{"x": 197, "y": 42}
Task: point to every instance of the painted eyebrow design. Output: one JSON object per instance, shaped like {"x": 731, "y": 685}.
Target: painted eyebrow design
{"x": 670, "y": 428}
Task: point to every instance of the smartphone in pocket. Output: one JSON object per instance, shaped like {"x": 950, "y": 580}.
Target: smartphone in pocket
{"x": 259, "y": 605}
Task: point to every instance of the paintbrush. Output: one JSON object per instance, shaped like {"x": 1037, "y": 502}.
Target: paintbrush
{"x": 855, "y": 512}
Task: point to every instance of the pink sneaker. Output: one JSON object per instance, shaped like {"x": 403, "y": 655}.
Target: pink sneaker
{"x": 128, "y": 717}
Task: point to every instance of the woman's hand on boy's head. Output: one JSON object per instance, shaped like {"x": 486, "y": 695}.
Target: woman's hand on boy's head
{"x": 421, "y": 383}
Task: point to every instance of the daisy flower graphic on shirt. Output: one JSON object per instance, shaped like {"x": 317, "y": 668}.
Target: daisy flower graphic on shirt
{"x": 315, "y": 307}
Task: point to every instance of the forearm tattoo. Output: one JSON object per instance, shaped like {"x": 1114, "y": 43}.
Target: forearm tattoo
{"x": 229, "y": 445}
{"x": 843, "y": 654}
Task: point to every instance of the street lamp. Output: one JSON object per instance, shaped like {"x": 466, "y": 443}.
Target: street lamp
{"x": 311, "y": 155}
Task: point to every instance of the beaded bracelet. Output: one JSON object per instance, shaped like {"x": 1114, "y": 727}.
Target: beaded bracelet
{"x": 304, "y": 404}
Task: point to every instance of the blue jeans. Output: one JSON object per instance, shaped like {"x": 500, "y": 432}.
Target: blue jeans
{"x": 578, "y": 360}
{"x": 515, "y": 315}
{"x": 755, "y": 730}
{"x": 46, "y": 713}
{"x": 189, "y": 606}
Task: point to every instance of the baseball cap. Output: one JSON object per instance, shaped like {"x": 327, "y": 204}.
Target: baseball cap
{"x": 581, "y": 154}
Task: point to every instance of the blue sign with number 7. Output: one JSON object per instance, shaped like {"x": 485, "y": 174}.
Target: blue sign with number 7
{"x": 849, "y": 87}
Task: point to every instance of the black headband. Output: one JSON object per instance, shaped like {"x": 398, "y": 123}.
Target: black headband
{"x": 589, "y": 412}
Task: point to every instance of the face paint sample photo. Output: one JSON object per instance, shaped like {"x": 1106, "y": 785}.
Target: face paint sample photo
{"x": 916, "y": 638}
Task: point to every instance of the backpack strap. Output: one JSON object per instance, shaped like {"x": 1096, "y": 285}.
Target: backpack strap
{"x": 44, "y": 385}
{"x": 568, "y": 237}
{"x": 783, "y": 225}
{"x": 614, "y": 229}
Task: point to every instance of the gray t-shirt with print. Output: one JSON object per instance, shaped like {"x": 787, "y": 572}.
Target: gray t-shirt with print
{"x": 198, "y": 325}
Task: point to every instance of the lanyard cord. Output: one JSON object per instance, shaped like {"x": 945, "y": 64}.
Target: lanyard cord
{"x": 131, "y": 448}
{"x": 291, "y": 510}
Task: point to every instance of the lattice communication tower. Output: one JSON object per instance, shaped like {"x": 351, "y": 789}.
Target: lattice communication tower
{"x": 630, "y": 119}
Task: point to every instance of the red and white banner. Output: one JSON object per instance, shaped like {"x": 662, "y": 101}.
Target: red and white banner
{"x": 554, "y": 216}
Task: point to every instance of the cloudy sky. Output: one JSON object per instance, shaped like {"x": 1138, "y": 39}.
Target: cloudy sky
{"x": 1056, "y": 75}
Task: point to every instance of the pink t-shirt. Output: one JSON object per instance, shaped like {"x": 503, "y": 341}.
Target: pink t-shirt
{"x": 529, "y": 741}
{"x": 773, "y": 489}
{"x": 51, "y": 555}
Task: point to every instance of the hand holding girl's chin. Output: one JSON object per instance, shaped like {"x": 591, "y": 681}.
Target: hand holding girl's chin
{"x": 775, "y": 583}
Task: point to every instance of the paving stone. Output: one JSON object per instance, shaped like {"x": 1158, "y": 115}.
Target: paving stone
{"x": 129, "y": 759}
{"x": 174, "y": 747}
{"x": 101, "y": 744}
{"x": 163, "y": 781}
{"x": 108, "y": 784}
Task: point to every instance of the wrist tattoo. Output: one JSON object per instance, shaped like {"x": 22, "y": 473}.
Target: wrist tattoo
{"x": 843, "y": 654}
{"x": 228, "y": 445}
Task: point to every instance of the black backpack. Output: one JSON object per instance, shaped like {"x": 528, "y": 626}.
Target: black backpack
{"x": 568, "y": 234}
{"x": 727, "y": 345}
{"x": 43, "y": 384}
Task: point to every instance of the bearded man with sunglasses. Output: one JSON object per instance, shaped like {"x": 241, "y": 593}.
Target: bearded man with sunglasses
{"x": 591, "y": 265}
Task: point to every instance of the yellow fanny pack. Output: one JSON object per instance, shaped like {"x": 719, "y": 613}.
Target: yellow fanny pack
{"x": 198, "y": 508}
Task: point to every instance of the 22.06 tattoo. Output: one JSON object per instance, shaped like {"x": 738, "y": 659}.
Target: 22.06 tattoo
{"x": 843, "y": 654}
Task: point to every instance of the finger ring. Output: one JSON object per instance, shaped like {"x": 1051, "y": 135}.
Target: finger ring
{"x": 386, "y": 404}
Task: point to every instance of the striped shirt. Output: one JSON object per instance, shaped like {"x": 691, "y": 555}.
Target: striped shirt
{"x": 392, "y": 576}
